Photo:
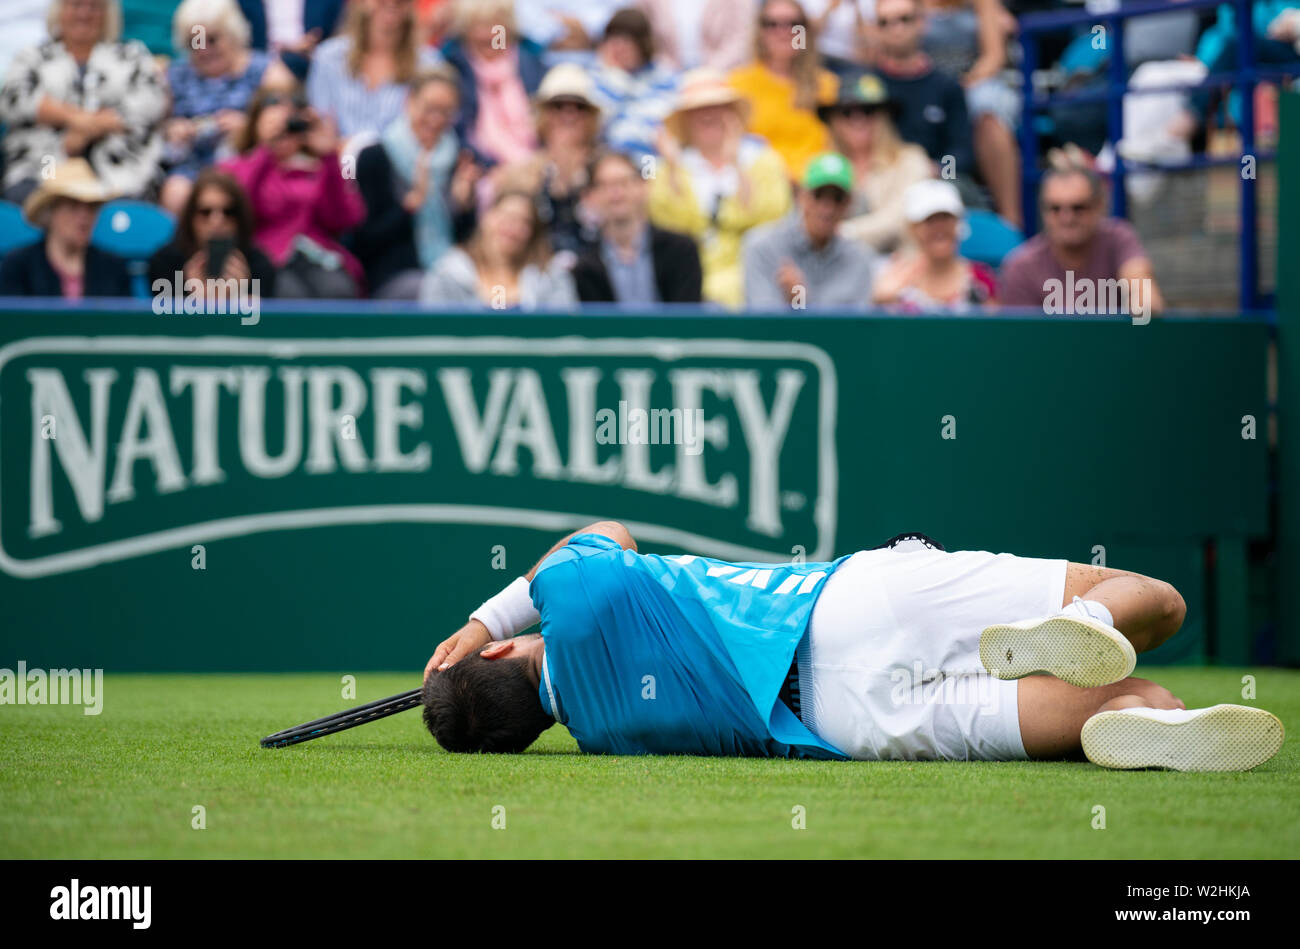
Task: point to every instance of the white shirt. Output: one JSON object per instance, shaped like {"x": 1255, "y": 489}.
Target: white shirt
{"x": 283, "y": 22}
{"x": 839, "y": 37}
{"x": 711, "y": 184}
{"x": 687, "y": 15}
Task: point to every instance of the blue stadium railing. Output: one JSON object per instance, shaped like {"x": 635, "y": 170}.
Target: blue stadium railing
{"x": 1244, "y": 78}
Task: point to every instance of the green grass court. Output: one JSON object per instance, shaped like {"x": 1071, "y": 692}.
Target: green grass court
{"x": 123, "y": 784}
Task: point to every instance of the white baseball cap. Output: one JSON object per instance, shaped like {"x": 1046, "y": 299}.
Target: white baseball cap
{"x": 932, "y": 196}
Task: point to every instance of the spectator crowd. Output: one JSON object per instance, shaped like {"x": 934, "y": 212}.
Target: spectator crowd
{"x": 758, "y": 154}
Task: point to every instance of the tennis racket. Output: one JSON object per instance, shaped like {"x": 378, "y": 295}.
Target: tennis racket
{"x": 341, "y": 721}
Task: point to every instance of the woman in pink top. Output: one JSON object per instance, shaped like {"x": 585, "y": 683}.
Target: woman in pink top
{"x": 289, "y": 166}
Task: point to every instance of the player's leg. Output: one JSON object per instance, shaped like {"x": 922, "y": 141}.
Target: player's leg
{"x": 1052, "y": 712}
{"x": 1107, "y": 616}
{"x": 1136, "y": 723}
{"x": 1147, "y": 611}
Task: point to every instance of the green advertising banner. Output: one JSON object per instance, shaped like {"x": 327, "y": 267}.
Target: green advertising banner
{"x": 339, "y": 491}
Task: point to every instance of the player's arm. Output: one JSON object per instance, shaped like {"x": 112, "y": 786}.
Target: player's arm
{"x": 511, "y": 611}
{"x": 611, "y": 529}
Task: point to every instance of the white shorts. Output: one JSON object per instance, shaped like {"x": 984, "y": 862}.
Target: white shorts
{"x": 890, "y": 668}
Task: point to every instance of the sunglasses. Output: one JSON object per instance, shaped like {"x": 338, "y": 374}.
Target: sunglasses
{"x": 904, "y": 20}
{"x": 568, "y": 105}
{"x": 830, "y": 193}
{"x": 215, "y": 210}
{"x": 853, "y": 111}
{"x": 1074, "y": 208}
{"x": 767, "y": 24}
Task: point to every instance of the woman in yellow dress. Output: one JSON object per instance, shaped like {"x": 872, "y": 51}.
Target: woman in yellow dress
{"x": 714, "y": 181}
{"x": 784, "y": 84}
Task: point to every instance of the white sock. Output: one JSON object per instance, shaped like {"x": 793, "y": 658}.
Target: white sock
{"x": 1089, "y": 609}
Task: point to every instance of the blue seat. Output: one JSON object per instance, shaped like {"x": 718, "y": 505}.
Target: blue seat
{"x": 136, "y": 231}
{"x": 14, "y": 229}
{"x": 132, "y": 229}
{"x": 990, "y": 238}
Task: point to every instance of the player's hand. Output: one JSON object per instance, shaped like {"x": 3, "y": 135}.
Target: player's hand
{"x": 470, "y": 637}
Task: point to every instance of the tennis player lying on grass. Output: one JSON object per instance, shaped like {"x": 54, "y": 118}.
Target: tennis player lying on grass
{"x": 906, "y": 651}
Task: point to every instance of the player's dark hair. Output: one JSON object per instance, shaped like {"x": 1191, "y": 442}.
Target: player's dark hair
{"x": 484, "y": 705}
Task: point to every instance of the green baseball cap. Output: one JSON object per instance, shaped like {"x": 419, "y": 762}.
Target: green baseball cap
{"x": 828, "y": 168}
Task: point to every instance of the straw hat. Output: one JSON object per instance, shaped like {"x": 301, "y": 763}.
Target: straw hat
{"x": 567, "y": 81}
{"x": 702, "y": 88}
{"x": 73, "y": 179}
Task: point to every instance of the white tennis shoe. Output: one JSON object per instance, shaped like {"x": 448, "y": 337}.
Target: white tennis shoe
{"x": 1080, "y": 650}
{"x": 1218, "y": 738}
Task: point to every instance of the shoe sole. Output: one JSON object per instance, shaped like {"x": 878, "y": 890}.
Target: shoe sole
{"x": 1081, "y": 652}
{"x": 1224, "y": 738}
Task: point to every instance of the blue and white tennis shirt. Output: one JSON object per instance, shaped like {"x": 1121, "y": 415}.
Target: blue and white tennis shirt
{"x": 674, "y": 655}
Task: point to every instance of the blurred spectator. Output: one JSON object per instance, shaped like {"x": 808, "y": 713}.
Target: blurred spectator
{"x": 713, "y": 34}
{"x": 842, "y": 28}
{"x": 568, "y": 29}
{"x": 635, "y": 263}
{"x": 84, "y": 94}
{"x": 290, "y": 30}
{"x": 289, "y": 168}
{"x": 1276, "y": 28}
{"x": 861, "y": 121}
{"x": 499, "y": 70}
{"x": 801, "y": 261}
{"x": 1153, "y": 38}
{"x": 784, "y": 83}
{"x": 933, "y": 106}
{"x": 63, "y": 263}
{"x": 632, "y": 91}
{"x": 568, "y": 125}
{"x": 931, "y": 275}
{"x": 967, "y": 41}
{"x": 418, "y": 186}
{"x": 506, "y": 264}
{"x": 1077, "y": 238}
{"x": 216, "y": 221}
{"x": 715, "y": 182}
{"x": 22, "y": 24}
{"x": 359, "y": 78}
{"x": 1158, "y": 38}
{"x": 211, "y": 81}
{"x": 434, "y": 19}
